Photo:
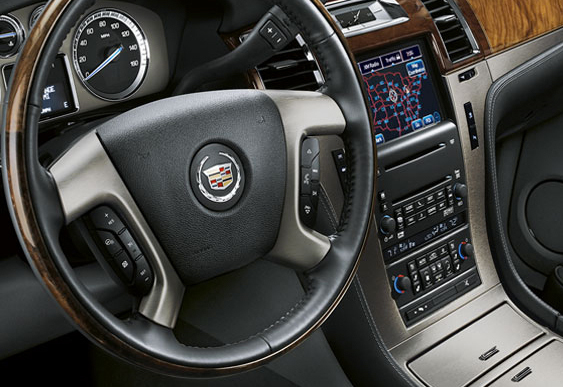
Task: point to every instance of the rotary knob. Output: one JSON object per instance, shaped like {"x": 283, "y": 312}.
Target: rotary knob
{"x": 460, "y": 191}
{"x": 466, "y": 250}
{"x": 401, "y": 284}
{"x": 387, "y": 225}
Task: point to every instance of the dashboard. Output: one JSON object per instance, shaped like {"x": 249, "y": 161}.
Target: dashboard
{"x": 428, "y": 272}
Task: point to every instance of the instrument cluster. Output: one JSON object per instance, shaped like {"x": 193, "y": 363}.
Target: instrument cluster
{"x": 116, "y": 52}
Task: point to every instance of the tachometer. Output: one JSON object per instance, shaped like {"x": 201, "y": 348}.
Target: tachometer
{"x": 110, "y": 54}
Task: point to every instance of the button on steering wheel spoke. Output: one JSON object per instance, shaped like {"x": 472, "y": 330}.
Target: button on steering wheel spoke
{"x": 86, "y": 179}
{"x": 303, "y": 114}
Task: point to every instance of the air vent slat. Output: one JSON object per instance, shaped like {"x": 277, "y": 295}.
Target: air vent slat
{"x": 439, "y": 9}
{"x": 292, "y": 68}
{"x": 454, "y": 31}
{"x": 454, "y": 39}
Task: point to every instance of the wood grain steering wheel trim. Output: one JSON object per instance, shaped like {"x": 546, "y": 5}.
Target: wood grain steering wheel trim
{"x": 17, "y": 185}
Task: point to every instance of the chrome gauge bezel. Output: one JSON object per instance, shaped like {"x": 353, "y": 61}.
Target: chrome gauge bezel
{"x": 20, "y": 34}
{"x": 135, "y": 28}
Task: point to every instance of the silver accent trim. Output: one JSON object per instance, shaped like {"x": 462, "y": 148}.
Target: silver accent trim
{"x": 85, "y": 178}
{"x": 303, "y": 114}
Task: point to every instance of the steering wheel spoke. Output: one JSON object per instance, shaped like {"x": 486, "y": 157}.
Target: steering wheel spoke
{"x": 86, "y": 178}
{"x": 303, "y": 114}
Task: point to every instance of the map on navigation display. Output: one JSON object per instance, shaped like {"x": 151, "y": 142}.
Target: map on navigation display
{"x": 401, "y": 93}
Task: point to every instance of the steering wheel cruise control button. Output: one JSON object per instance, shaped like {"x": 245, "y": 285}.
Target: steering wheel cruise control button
{"x": 110, "y": 243}
{"x": 104, "y": 218}
{"x": 143, "y": 275}
{"x": 130, "y": 244}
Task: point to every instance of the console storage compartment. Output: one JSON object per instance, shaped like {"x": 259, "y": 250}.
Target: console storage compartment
{"x": 543, "y": 368}
{"x": 476, "y": 349}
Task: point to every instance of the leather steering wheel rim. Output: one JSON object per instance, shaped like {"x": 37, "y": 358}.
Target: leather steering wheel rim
{"x": 35, "y": 207}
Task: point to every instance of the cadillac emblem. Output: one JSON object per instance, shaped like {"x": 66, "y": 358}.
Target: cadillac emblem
{"x": 220, "y": 176}
{"x": 217, "y": 177}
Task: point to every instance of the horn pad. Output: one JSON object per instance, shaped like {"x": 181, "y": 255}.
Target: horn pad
{"x": 208, "y": 171}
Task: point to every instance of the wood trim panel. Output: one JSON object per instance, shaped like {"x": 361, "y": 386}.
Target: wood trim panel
{"x": 511, "y": 22}
{"x": 421, "y": 24}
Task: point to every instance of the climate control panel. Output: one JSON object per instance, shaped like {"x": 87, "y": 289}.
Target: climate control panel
{"x": 423, "y": 222}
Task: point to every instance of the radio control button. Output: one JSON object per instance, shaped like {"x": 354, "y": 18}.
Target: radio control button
{"x": 408, "y": 209}
{"x": 420, "y": 216}
{"x": 419, "y": 204}
{"x": 460, "y": 191}
{"x": 440, "y": 195}
{"x": 387, "y": 225}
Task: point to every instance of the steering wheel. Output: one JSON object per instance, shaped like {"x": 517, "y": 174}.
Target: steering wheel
{"x": 146, "y": 164}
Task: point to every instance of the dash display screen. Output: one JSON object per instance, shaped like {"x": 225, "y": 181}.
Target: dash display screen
{"x": 57, "y": 95}
{"x": 400, "y": 93}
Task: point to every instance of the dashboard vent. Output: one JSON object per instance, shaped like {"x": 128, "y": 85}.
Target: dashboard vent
{"x": 454, "y": 30}
{"x": 293, "y": 68}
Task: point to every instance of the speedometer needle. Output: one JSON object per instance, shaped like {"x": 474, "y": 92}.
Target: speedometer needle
{"x": 8, "y": 35}
{"x": 103, "y": 65}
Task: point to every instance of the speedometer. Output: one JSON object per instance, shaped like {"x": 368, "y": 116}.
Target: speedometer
{"x": 110, "y": 54}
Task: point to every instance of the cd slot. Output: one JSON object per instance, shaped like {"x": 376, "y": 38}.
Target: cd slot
{"x": 424, "y": 190}
{"x": 415, "y": 157}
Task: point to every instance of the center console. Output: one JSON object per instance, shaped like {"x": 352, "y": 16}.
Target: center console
{"x": 422, "y": 212}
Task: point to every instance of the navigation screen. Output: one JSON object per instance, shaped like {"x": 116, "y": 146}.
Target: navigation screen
{"x": 57, "y": 95}
{"x": 401, "y": 93}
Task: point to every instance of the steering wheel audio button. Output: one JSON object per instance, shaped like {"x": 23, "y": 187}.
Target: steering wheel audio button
{"x": 309, "y": 151}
